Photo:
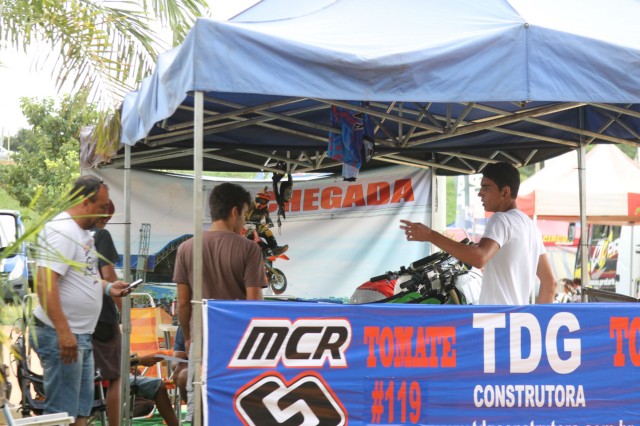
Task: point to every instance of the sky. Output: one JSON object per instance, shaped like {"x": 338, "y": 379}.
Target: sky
{"x": 20, "y": 75}
{"x": 18, "y": 78}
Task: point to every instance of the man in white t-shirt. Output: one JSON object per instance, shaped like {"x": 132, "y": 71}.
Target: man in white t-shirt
{"x": 510, "y": 252}
{"x": 70, "y": 292}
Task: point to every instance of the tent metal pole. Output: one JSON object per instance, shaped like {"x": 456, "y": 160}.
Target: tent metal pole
{"x": 433, "y": 221}
{"x": 504, "y": 119}
{"x": 580, "y": 131}
{"x": 631, "y": 290}
{"x": 585, "y": 275}
{"x": 196, "y": 336}
{"x": 532, "y": 296}
{"x": 584, "y": 233}
{"x": 125, "y": 312}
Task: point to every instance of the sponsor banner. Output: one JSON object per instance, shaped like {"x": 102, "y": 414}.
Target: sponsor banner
{"x": 633, "y": 204}
{"x": 300, "y": 363}
{"x": 333, "y": 228}
{"x": 370, "y": 194}
{"x": 557, "y": 233}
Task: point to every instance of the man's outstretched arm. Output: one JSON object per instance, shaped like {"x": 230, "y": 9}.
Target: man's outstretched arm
{"x": 474, "y": 255}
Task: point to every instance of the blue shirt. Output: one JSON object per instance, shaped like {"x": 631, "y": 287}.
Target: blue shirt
{"x": 178, "y": 343}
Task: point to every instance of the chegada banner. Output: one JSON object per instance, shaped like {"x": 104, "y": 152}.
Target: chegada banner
{"x": 339, "y": 233}
{"x": 294, "y": 363}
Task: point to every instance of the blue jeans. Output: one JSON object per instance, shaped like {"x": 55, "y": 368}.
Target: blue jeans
{"x": 67, "y": 387}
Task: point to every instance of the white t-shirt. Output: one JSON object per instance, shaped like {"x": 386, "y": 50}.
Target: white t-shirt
{"x": 509, "y": 277}
{"x": 67, "y": 249}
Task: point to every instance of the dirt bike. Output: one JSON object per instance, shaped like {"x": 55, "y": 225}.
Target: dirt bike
{"x": 436, "y": 279}
{"x": 275, "y": 277}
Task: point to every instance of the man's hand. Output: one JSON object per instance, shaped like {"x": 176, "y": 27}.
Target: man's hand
{"x": 68, "y": 345}
{"x": 149, "y": 360}
{"x": 416, "y": 231}
{"x": 117, "y": 289}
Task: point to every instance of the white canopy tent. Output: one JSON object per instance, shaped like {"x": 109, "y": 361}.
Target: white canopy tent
{"x": 613, "y": 198}
{"x": 613, "y": 195}
{"x": 456, "y": 82}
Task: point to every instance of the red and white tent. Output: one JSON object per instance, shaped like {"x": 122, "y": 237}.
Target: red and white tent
{"x": 612, "y": 188}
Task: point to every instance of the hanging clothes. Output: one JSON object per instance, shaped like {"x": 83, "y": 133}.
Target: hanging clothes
{"x": 354, "y": 144}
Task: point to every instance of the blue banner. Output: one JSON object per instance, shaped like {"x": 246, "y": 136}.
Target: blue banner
{"x": 298, "y": 363}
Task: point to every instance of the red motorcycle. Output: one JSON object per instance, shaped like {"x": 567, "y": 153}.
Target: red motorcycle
{"x": 439, "y": 278}
{"x": 275, "y": 277}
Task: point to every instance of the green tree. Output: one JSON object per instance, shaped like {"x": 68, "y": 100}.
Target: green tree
{"x": 104, "y": 47}
{"x": 47, "y": 160}
{"x": 15, "y": 141}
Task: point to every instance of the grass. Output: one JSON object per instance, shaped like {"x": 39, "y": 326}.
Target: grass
{"x": 10, "y": 313}
{"x": 452, "y": 194}
{"x": 8, "y": 202}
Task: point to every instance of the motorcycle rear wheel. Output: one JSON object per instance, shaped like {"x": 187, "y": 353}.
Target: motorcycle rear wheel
{"x": 277, "y": 281}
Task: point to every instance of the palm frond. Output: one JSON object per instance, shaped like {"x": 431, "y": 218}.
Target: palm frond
{"x": 107, "y": 46}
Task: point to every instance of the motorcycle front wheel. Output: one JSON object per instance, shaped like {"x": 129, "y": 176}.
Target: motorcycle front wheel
{"x": 277, "y": 281}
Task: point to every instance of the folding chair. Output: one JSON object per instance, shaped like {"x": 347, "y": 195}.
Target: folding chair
{"x": 163, "y": 319}
{"x": 144, "y": 342}
{"x": 32, "y": 388}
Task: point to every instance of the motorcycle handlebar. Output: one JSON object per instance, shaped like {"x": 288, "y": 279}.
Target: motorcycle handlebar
{"x": 441, "y": 255}
{"x": 426, "y": 260}
{"x": 414, "y": 266}
{"x": 379, "y": 277}
{"x": 413, "y": 282}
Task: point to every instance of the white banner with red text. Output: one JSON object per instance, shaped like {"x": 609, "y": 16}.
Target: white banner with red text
{"x": 339, "y": 233}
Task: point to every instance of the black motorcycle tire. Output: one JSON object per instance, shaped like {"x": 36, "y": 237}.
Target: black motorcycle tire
{"x": 278, "y": 281}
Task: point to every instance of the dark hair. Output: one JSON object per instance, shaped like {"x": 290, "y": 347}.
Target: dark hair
{"x": 225, "y": 197}
{"x": 503, "y": 174}
{"x": 566, "y": 281}
{"x": 86, "y": 187}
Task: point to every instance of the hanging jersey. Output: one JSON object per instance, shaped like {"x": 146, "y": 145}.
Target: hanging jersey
{"x": 347, "y": 146}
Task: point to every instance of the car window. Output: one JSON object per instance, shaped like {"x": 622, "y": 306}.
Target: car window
{"x": 8, "y": 230}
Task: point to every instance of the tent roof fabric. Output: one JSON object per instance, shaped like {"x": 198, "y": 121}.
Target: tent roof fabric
{"x": 452, "y": 84}
{"x": 613, "y": 195}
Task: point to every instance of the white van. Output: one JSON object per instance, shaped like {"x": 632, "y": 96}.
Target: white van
{"x": 14, "y": 271}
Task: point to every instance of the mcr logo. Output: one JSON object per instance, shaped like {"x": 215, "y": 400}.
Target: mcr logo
{"x": 305, "y": 343}
{"x": 306, "y": 400}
